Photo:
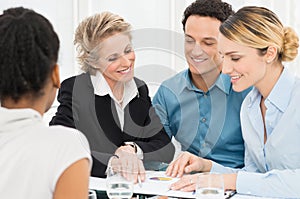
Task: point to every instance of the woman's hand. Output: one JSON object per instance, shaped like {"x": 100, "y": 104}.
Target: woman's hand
{"x": 129, "y": 163}
{"x": 186, "y": 183}
{"x": 186, "y": 163}
{"x": 230, "y": 181}
{"x": 125, "y": 148}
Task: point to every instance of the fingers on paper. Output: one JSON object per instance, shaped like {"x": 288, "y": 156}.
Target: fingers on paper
{"x": 177, "y": 167}
{"x": 186, "y": 183}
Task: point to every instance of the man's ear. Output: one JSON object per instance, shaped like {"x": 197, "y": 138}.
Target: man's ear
{"x": 271, "y": 54}
{"x": 55, "y": 76}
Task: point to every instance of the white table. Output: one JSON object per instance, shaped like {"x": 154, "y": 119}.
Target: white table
{"x": 158, "y": 188}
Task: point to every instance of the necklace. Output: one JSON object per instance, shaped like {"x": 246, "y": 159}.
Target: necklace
{"x": 118, "y": 91}
{"x": 121, "y": 100}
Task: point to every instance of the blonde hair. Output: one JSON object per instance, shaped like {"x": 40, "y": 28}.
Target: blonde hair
{"x": 258, "y": 27}
{"x": 91, "y": 31}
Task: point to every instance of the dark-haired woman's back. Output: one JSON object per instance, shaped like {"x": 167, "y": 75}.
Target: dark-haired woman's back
{"x": 37, "y": 161}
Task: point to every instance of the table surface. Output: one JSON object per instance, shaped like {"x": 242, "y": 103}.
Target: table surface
{"x": 159, "y": 166}
{"x": 102, "y": 195}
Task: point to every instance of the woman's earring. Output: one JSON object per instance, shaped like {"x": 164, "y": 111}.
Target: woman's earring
{"x": 268, "y": 61}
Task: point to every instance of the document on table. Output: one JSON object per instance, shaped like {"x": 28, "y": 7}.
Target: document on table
{"x": 156, "y": 183}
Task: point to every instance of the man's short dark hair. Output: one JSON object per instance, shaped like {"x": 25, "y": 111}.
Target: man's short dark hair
{"x": 208, "y": 8}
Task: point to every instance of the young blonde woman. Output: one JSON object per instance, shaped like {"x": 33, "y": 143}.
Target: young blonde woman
{"x": 107, "y": 103}
{"x": 255, "y": 44}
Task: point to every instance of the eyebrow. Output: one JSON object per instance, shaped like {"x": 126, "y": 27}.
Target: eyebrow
{"x": 117, "y": 54}
{"x": 112, "y": 55}
{"x": 230, "y": 52}
{"x": 205, "y": 38}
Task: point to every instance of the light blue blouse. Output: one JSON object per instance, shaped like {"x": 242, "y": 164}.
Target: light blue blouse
{"x": 271, "y": 169}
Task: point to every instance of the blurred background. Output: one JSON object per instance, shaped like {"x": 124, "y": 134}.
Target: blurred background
{"x": 157, "y": 29}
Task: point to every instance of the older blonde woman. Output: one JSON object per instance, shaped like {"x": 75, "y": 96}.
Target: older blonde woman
{"x": 107, "y": 103}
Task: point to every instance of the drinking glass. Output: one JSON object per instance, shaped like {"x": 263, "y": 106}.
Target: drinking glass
{"x": 210, "y": 185}
{"x": 119, "y": 183}
{"x": 92, "y": 194}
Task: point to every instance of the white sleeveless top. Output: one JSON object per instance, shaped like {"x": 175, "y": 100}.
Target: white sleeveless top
{"x": 33, "y": 156}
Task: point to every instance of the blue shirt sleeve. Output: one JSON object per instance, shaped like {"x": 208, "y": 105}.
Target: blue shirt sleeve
{"x": 218, "y": 168}
{"x": 159, "y": 104}
{"x": 283, "y": 183}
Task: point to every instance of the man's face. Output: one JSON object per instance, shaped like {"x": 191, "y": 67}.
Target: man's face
{"x": 201, "y": 44}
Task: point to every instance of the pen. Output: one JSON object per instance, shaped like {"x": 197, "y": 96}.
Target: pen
{"x": 139, "y": 181}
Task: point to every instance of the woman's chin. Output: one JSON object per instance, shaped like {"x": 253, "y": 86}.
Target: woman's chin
{"x": 237, "y": 88}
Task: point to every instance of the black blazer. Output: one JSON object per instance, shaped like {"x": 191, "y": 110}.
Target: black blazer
{"x": 97, "y": 118}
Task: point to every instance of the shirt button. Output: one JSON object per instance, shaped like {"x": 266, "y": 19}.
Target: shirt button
{"x": 203, "y": 119}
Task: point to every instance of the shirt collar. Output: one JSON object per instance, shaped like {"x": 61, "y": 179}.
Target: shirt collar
{"x": 102, "y": 88}
{"x": 283, "y": 87}
{"x": 222, "y": 82}
{"x": 100, "y": 85}
{"x": 253, "y": 96}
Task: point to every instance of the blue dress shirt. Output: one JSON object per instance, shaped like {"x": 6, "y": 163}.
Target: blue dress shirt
{"x": 271, "y": 169}
{"x": 206, "y": 124}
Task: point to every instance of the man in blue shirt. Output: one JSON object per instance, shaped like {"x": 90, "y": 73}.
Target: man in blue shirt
{"x": 198, "y": 106}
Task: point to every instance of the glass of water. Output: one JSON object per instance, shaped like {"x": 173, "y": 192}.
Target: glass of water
{"x": 119, "y": 183}
{"x": 210, "y": 185}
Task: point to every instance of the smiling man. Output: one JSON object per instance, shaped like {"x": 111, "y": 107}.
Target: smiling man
{"x": 198, "y": 106}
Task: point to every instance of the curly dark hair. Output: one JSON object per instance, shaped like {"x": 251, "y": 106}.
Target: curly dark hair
{"x": 208, "y": 8}
{"x": 28, "y": 52}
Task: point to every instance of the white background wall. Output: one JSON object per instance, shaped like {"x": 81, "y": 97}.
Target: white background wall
{"x": 60, "y": 13}
{"x": 158, "y": 36}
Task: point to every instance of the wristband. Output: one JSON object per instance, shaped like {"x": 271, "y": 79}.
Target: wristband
{"x": 114, "y": 155}
{"x": 132, "y": 144}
